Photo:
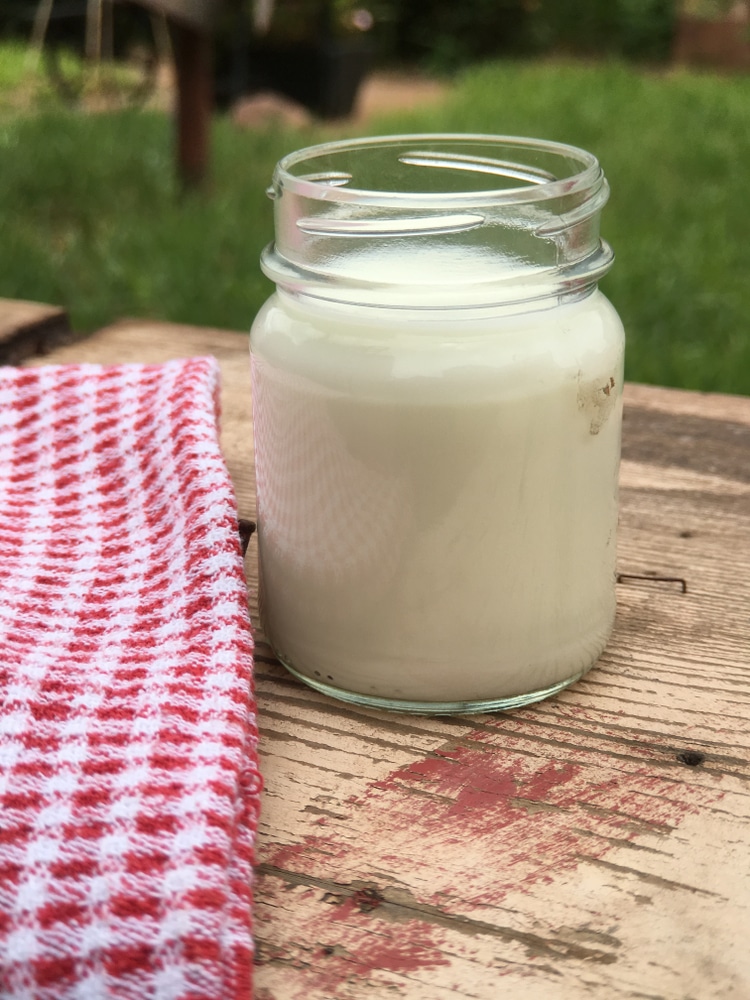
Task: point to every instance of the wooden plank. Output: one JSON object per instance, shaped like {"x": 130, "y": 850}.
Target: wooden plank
{"x": 195, "y": 88}
{"x": 28, "y": 328}
{"x": 713, "y": 405}
{"x": 595, "y": 845}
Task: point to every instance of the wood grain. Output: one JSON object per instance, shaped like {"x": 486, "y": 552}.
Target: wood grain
{"x": 711, "y": 405}
{"x": 595, "y": 845}
{"x": 29, "y": 328}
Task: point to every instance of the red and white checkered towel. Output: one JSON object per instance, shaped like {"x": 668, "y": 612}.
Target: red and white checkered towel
{"x": 129, "y": 784}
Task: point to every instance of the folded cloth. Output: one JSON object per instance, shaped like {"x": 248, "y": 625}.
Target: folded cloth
{"x": 129, "y": 784}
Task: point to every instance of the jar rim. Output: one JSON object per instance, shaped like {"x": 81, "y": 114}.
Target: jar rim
{"x": 539, "y": 185}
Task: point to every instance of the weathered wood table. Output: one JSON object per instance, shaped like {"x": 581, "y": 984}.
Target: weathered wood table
{"x": 594, "y": 845}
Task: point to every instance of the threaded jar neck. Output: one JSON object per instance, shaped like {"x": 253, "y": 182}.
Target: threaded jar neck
{"x": 433, "y": 221}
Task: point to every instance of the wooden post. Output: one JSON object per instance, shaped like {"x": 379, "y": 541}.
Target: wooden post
{"x": 193, "y": 64}
{"x": 108, "y": 31}
{"x": 94, "y": 31}
{"x": 39, "y": 30}
{"x": 191, "y": 23}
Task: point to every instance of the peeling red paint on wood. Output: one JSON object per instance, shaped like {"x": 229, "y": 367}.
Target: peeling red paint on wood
{"x": 416, "y": 948}
{"x": 528, "y": 822}
{"x": 348, "y": 946}
{"x": 481, "y": 787}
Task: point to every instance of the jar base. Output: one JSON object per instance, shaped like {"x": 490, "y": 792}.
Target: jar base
{"x": 436, "y": 707}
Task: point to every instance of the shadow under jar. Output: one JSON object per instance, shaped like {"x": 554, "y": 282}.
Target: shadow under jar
{"x": 437, "y": 400}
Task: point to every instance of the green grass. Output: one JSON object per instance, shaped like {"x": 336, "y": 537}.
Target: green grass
{"x": 91, "y": 217}
{"x": 20, "y": 82}
{"x": 14, "y": 59}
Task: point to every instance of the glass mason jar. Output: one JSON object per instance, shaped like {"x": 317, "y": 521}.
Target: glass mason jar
{"x": 437, "y": 388}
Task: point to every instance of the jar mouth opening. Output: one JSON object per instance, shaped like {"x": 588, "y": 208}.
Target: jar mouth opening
{"x": 437, "y": 170}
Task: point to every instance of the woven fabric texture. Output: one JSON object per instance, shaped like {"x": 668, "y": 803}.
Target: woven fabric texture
{"x": 129, "y": 784}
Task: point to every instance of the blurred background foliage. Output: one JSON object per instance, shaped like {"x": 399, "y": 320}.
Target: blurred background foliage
{"x": 445, "y": 34}
{"x": 448, "y": 34}
{"x": 93, "y": 218}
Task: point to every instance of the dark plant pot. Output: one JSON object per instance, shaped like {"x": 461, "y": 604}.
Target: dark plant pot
{"x": 324, "y": 77}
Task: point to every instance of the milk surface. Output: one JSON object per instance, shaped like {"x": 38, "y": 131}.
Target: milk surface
{"x": 437, "y": 494}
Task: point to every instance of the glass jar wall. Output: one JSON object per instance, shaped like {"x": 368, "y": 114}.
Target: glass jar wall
{"x": 437, "y": 405}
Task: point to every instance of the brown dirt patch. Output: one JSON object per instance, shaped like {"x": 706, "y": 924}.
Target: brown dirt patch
{"x": 383, "y": 92}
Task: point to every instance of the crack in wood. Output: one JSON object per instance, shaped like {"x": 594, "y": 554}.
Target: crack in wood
{"x": 619, "y": 842}
{"x": 531, "y": 806}
{"x": 664, "y": 753}
{"x": 618, "y": 692}
{"x": 615, "y": 692}
{"x": 646, "y": 996}
{"x": 532, "y": 967}
{"x": 423, "y": 792}
{"x": 663, "y": 883}
{"x": 367, "y": 738}
{"x": 325, "y": 812}
{"x": 345, "y": 775}
{"x": 669, "y": 750}
{"x": 332, "y": 709}
{"x": 280, "y": 737}
{"x": 635, "y": 823}
{"x": 714, "y": 687}
{"x": 587, "y": 934}
{"x": 657, "y": 735}
{"x": 354, "y": 713}
{"x": 400, "y": 905}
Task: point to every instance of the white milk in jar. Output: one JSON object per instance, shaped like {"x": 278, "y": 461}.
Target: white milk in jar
{"x": 437, "y": 390}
